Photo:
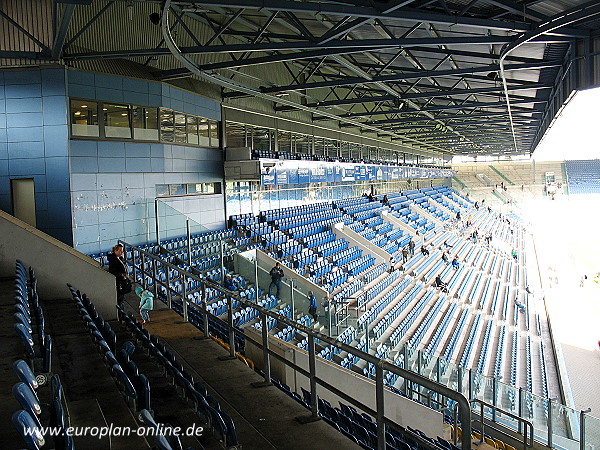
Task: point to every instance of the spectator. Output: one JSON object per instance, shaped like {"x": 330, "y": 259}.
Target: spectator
{"x": 528, "y": 290}
{"x": 229, "y": 283}
{"x": 117, "y": 266}
{"x": 276, "y": 276}
{"x": 440, "y": 284}
{"x": 146, "y": 303}
{"x": 391, "y": 268}
{"x": 424, "y": 251}
{"x": 312, "y": 306}
{"x": 386, "y": 202}
{"x": 514, "y": 254}
{"x": 455, "y": 264}
{"x": 411, "y": 247}
{"x": 445, "y": 256}
{"x": 404, "y": 254}
{"x": 458, "y": 215}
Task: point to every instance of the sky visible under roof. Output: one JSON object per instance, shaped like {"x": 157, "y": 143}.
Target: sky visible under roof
{"x": 575, "y": 133}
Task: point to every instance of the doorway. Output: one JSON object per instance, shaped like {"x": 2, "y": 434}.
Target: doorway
{"x": 23, "y": 199}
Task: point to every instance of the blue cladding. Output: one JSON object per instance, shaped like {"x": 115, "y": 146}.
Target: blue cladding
{"x": 24, "y": 105}
{"x": 22, "y": 91}
{"x": 20, "y": 150}
{"x": 28, "y": 134}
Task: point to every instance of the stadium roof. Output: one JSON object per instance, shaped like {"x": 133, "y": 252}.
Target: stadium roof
{"x": 445, "y": 76}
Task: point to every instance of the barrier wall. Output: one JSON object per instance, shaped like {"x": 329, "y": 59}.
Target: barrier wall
{"x": 400, "y": 410}
{"x": 55, "y": 265}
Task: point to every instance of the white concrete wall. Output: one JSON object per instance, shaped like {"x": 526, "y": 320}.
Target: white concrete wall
{"x": 55, "y": 264}
{"x": 400, "y": 410}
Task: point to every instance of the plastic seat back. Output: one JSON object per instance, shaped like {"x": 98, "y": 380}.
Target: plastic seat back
{"x": 27, "y": 340}
{"x": 25, "y": 374}
{"x": 24, "y": 422}
{"x": 27, "y": 399}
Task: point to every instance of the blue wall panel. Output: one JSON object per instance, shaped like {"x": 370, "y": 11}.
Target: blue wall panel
{"x": 114, "y": 183}
{"x": 34, "y": 144}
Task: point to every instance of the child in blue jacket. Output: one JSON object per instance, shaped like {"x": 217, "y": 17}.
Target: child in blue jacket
{"x": 146, "y": 303}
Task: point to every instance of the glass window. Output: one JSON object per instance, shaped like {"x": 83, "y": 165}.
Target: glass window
{"x": 84, "y": 118}
{"x": 180, "y": 132}
{"x": 319, "y": 146}
{"x": 192, "y": 130}
{"x": 166, "y": 125}
{"x": 302, "y": 143}
{"x": 177, "y": 189}
{"x": 145, "y": 123}
{"x": 214, "y": 134}
{"x": 162, "y": 189}
{"x": 237, "y": 135}
{"x": 284, "y": 143}
{"x": 261, "y": 139}
{"x": 116, "y": 121}
{"x": 203, "y": 132}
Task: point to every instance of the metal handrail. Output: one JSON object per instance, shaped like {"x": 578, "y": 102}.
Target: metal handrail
{"x": 380, "y": 364}
{"x": 524, "y": 424}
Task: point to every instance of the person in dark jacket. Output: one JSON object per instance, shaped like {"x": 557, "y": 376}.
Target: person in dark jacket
{"x": 276, "y": 276}
{"x": 117, "y": 266}
{"x": 312, "y": 307}
{"x": 229, "y": 283}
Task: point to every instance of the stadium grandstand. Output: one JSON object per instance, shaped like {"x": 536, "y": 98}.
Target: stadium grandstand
{"x": 282, "y": 179}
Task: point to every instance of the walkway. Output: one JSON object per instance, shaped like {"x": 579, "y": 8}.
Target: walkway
{"x": 264, "y": 417}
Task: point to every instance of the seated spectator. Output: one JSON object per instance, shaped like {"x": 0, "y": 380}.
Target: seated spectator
{"x": 440, "y": 284}
{"x": 424, "y": 251}
{"x": 455, "y": 264}
{"x": 229, "y": 283}
{"x": 445, "y": 256}
{"x": 514, "y": 254}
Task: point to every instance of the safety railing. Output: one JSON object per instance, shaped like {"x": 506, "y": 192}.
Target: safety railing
{"x": 147, "y": 265}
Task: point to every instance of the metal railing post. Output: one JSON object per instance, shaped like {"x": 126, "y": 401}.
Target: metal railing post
{"x": 221, "y": 259}
{"x": 582, "y": 428}
{"x": 292, "y": 297}
{"x": 459, "y": 376}
{"x": 256, "y": 277}
{"x": 156, "y": 221}
{"x": 189, "y": 241}
{"x": 312, "y": 367}
{"x": 494, "y": 399}
{"x": 143, "y": 269}
{"x": 184, "y": 299}
{"x": 266, "y": 356}
{"x": 205, "y": 311}
{"x": 154, "y": 278}
{"x": 312, "y": 378}
{"x": 470, "y": 384}
{"x": 133, "y": 263}
{"x": 482, "y": 440}
{"x": 169, "y": 299}
{"x": 550, "y": 430}
{"x": 520, "y": 409}
{"x": 231, "y": 332}
{"x": 380, "y": 407}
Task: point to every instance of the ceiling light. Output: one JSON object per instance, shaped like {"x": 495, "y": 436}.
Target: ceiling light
{"x": 84, "y": 106}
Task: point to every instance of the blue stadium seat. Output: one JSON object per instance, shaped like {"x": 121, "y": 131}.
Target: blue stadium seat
{"x": 24, "y": 422}
{"x": 25, "y": 374}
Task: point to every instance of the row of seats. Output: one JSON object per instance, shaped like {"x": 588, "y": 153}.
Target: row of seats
{"x": 133, "y": 385}
{"x": 29, "y": 317}
{"x": 206, "y": 406}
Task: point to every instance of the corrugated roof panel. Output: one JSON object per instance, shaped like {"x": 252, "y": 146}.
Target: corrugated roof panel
{"x": 34, "y": 16}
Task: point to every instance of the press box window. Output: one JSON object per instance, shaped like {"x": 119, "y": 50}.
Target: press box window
{"x": 84, "y": 118}
{"x": 167, "y": 127}
{"x": 116, "y": 121}
{"x": 145, "y": 123}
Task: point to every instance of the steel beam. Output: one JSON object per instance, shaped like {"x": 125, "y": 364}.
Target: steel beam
{"x": 385, "y": 12}
{"x": 409, "y": 75}
{"x": 61, "y": 34}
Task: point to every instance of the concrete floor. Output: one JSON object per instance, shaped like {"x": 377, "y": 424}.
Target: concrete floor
{"x": 264, "y": 417}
